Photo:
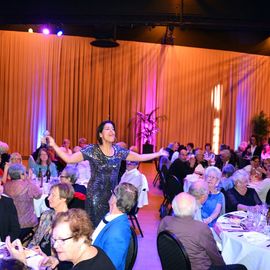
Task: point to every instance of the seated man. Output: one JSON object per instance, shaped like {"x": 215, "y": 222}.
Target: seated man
{"x": 200, "y": 191}
{"x": 113, "y": 232}
{"x": 196, "y": 237}
{"x": 133, "y": 176}
{"x": 9, "y": 224}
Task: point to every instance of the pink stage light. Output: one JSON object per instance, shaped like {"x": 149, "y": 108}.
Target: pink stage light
{"x": 46, "y": 31}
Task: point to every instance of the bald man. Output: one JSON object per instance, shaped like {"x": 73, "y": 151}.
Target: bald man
{"x": 196, "y": 237}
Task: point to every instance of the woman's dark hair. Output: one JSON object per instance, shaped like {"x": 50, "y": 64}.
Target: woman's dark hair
{"x": 100, "y": 129}
{"x": 49, "y": 161}
{"x": 208, "y": 144}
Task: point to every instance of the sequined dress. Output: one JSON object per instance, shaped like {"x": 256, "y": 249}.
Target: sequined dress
{"x": 104, "y": 178}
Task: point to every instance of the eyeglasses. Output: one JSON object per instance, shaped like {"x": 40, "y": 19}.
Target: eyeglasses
{"x": 60, "y": 241}
{"x": 210, "y": 177}
{"x": 132, "y": 163}
{"x": 63, "y": 176}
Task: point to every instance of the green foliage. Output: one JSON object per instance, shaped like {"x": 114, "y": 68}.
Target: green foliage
{"x": 260, "y": 125}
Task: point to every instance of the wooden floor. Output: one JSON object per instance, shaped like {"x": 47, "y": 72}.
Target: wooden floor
{"x": 149, "y": 219}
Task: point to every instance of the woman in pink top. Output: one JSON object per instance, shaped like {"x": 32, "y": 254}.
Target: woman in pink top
{"x": 23, "y": 191}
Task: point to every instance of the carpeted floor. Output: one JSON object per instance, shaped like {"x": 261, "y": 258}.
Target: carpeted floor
{"x": 148, "y": 217}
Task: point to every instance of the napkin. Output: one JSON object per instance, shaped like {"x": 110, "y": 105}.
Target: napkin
{"x": 255, "y": 238}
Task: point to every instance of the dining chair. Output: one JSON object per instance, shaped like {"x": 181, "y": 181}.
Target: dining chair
{"x": 267, "y": 200}
{"x": 133, "y": 217}
{"x": 173, "y": 186}
{"x": 132, "y": 250}
{"x": 157, "y": 177}
{"x": 171, "y": 252}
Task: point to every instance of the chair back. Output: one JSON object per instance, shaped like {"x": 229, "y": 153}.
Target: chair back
{"x": 132, "y": 250}
{"x": 171, "y": 252}
{"x": 162, "y": 179}
{"x": 267, "y": 200}
{"x": 173, "y": 187}
{"x": 223, "y": 209}
{"x": 164, "y": 170}
{"x": 132, "y": 215}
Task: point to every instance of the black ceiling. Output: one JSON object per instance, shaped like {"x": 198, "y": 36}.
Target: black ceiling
{"x": 196, "y": 13}
{"x": 125, "y": 19}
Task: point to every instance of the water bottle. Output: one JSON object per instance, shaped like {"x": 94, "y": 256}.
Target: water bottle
{"x": 45, "y": 134}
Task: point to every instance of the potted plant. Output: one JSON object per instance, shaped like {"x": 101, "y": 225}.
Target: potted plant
{"x": 147, "y": 127}
{"x": 260, "y": 126}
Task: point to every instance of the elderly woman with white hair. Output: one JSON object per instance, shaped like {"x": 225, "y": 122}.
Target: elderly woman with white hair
{"x": 214, "y": 204}
{"x": 241, "y": 197}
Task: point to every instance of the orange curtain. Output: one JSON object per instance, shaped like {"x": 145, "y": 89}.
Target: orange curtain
{"x": 65, "y": 85}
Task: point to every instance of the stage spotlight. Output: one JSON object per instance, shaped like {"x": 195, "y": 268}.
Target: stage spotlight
{"x": 30, "y": 30}
{"x": 45, "y": 31}
{"x": 59, "y": 33}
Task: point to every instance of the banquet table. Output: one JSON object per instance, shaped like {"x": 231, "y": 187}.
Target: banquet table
{"x": 32, "y": 258}
{"x": 241, "y": 245}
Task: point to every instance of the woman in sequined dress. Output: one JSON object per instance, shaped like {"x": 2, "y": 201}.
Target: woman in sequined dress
{"x": 105, "y": 159}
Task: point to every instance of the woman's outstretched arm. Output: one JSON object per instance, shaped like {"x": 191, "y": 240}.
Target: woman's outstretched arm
{"x": 74, "y": 158}
{"x": 132, "y": 156}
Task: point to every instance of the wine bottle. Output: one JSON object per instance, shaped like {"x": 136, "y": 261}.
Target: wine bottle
{"x": 40, "y": 177}
{"x": 48, "y": 174}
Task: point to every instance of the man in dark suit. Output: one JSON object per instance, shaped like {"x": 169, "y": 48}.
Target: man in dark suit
{"x": 225, "y": 157}
{"x": 181, "y": 167}
{"x": 9, "y": 224}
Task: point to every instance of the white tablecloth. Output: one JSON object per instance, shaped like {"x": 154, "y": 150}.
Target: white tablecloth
{"x": 238, "y": 246}
{"x": 39, "y": 204}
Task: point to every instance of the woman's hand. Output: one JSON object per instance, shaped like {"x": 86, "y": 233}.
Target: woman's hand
{"x": 38, "y": 250}
{"x": 49, "y": 262}
{"x": 207, "y": 220}
{"x": 6, "y": 166}
{"x": 16, "y": 249}
{"x": 163, "y": 152}
{"x": 50, "y": 141}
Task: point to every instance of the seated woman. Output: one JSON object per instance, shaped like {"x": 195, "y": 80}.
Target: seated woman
{"x": 255, "y": 169}
{"x": 43, "y": 163}
{"x": 240, "y": 197}
{"x": 71, "y": 232}
{"x": 226, "y": 181}
{"x": 70, "y": 175}
{"x": 23, "y": 191}
{"x": 212, "y": 207}
{"x": 60, "y": 196}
